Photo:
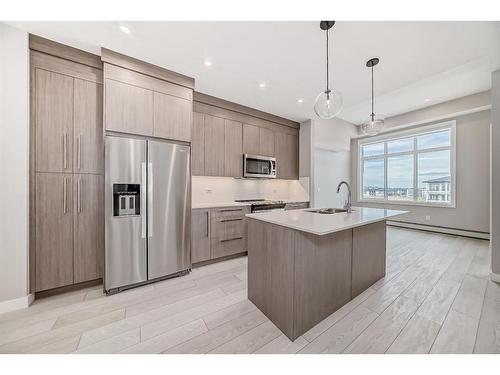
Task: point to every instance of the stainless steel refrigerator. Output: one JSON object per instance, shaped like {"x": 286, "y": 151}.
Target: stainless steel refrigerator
{"x": 148, "y": 211}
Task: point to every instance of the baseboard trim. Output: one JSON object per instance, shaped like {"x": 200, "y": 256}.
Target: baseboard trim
{"x": 430, "y": 228}
{"x": 16, "y": 304}
{"x": 495, "y": 277}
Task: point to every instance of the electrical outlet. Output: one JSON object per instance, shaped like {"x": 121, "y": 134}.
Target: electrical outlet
{"x": 428, "y": 217}
{"x": 208, "y": 191}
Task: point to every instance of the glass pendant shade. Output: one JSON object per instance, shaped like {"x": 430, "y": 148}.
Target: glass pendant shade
{"x": 328, "y": 104}
{"x": 373, "y": 126}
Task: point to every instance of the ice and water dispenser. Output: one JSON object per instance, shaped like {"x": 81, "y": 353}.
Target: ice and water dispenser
{"x": 126, "y": 199}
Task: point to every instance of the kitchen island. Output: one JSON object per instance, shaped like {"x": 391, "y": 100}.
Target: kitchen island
{"x": 304, "y": 265}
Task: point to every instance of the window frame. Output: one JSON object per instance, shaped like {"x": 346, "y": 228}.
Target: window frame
{"x": 386, "y": 137}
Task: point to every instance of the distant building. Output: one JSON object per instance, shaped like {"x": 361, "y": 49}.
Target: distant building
{"x": 438, "y": 189}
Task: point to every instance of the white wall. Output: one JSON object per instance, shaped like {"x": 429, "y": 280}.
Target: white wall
{"x": 14, "y": 99}
{"x": 495, "y": 175}
{"x": 472, "y": 175}
{"x": 331, "y": 160}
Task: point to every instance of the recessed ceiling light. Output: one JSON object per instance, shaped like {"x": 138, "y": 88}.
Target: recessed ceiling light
{"x": 300, "y": 101}
{"x": 262, "y": 85}
{"x": 427, "y": 100}
{"x": 125, "y": 29}
{"x": 207, "y": 62}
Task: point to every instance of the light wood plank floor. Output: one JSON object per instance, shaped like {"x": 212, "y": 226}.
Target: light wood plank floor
{"x": 435, "y": 298}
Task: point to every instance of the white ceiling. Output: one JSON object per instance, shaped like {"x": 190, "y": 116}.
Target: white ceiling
{"x": 418, "y": 60}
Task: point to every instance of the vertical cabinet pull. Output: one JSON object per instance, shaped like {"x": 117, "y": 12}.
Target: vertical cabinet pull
{"x": 79, "y": 195}
{"x": 65, "y": 199}
{"x": 79, "y": 154}
{"x": 208, "y": 224}
{"x": 65, "y": 162}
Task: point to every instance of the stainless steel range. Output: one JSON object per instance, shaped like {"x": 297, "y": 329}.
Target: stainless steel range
{"x": 263, "y": 205}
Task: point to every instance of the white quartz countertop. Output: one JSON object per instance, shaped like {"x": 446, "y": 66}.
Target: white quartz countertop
{"x": 232, "y": 204}
{"x": 321, "y": 224}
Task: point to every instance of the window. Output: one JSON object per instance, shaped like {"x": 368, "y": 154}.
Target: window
{"x": 414, "y": 167}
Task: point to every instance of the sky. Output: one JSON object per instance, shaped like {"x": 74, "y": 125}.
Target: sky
{"x": 431, "y": 164}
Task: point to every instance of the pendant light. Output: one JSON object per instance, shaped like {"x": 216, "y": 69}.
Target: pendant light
{"x": 375, "y": 123}
{"x": 328, "y": 103}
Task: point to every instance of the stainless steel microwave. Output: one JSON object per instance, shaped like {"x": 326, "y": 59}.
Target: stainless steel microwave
{"x": 257, "y": 166}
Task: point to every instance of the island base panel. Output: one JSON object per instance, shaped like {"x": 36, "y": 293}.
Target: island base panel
{"x": 298, "y": 279}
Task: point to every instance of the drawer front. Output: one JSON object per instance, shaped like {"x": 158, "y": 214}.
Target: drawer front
{"x": 229, "y": 246}
{"x": 230, "y": 211}
{"x": 224, "y": 228}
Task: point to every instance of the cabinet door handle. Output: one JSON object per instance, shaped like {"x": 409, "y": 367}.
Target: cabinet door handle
{"x": 65, "y": 199}
{"x": 231, "y": 239}
{"x": 231, "y": 210}
{"x": 224, "y": 220}
{"x": 79, "y": 195}
{"x": 79, "y": 154}
{"x": 65, "y": 161}
{"x": 208, "y": 223}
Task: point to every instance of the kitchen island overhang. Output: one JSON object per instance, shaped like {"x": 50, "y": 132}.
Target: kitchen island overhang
{"x": 303, "y": 266}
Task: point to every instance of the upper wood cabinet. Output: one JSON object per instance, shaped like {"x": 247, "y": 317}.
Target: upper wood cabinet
{"x": 172, "y": 117}
{"x": 214, "y": 146}
{"x": 233, "y": 155}
{"x": 266, "y": 142}
{"x": 145, "y": 99}
{"x": 221, "y": 136}
{"x": 88, "y": 142}
{"x": 198, "y": 145}
{"x": 128, "y": 108}
{"x": 53, "y": 120}
{"x": 287, "y": 155}
{"x": 251, "y": 139}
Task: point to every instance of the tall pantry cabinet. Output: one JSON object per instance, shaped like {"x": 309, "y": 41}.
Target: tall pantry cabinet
{"x": 66, "y": 166}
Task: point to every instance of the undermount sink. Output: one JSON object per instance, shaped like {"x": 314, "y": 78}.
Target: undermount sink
{"x": 328, "y": 211}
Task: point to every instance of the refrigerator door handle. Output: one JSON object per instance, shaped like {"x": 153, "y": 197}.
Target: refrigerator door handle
{"x": 150, "y": 199}
{"x": 143, "y": 200}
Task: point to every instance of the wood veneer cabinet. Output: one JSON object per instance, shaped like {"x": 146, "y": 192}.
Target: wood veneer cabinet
{"x": 88, "y": 227}
{"x": 287, "y": 155}
{"x": 218, "y": 232}
{"x": 198, "y": 145}
{"x": 200, "y": 235}
{"x": 218, "y": 150}
{"x": 88, "y": 141}
{"x": 66, "y": 166}
{"x": 54, "y": 230}
{"x": 54, "y": 121}
{"x": 233, "y": 166}
{"x": 129, "y": 109}
{"x": 214, "y": 146}
{"x": 144, "y": 99}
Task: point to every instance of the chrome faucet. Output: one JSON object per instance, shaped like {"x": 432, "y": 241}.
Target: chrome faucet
{"x": 347, "y": 205}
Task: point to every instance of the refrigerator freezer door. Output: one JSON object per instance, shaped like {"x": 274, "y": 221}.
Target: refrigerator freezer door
{"x": 169, "y": 224}
{"x": 125, "y": 254}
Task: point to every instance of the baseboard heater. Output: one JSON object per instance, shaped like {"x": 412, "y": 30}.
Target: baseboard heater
{"x": 445, "y": 230}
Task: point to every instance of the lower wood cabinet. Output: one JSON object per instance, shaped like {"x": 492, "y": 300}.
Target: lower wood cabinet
{"x": 54, "y": 230}
{"x": 69, "y": 238}
{"x": 88, "y": 227}
{"x": 218, "y": 232}
{"x": 200, "y": 235}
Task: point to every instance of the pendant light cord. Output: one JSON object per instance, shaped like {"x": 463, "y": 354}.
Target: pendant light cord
{"x": 327, "y": 54}
{"x": 373, "y": 114}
